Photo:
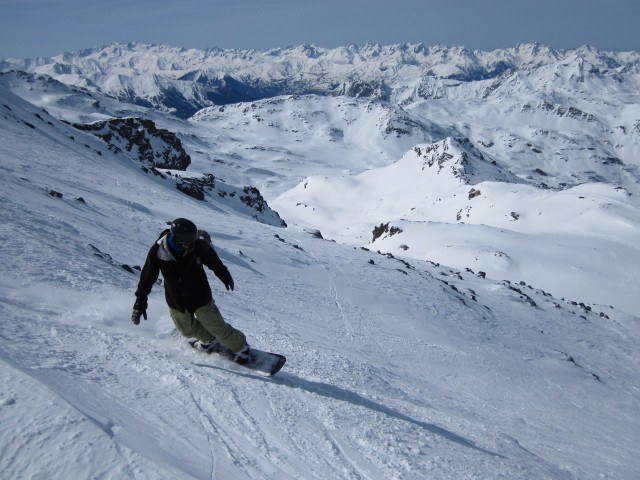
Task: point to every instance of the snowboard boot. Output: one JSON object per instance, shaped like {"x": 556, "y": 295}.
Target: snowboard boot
{"x": 243, "y": 356}
{"x": 212, "y": 346}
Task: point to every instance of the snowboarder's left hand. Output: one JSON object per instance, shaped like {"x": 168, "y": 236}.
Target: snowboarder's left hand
{"x": 226, "y": 278}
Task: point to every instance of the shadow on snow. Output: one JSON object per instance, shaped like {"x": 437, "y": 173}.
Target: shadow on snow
{"x": 344, "y": 395}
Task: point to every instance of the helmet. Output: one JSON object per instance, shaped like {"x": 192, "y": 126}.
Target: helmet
{"x": 184, "y": 231}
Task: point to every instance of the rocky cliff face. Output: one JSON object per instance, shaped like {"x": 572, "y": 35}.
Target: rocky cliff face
{"x": 154, "y": 147}
{"x": 161, "y": 153}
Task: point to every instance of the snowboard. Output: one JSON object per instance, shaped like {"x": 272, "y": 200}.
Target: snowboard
{"x": 260, "y": 361}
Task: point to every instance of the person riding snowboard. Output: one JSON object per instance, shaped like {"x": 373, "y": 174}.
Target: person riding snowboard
{"x": 181, "y": 255}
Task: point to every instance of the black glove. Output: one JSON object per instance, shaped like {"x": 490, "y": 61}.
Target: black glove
{"x": 139, "y": 310}
{"x": 228, "y": 282}
{"x": 135, "y": 316}
{"x": 204, "y": 235}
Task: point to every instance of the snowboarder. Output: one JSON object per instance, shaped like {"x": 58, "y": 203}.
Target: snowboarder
{"x": 180, "y": 254}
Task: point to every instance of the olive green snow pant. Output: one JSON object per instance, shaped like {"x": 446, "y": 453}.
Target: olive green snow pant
{"x": 205, "y": 324}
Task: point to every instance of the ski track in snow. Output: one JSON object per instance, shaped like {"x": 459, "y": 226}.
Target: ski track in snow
{"x": 333, "y": 290}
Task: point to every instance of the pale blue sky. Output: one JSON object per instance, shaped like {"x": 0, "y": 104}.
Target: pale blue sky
{"x": 30, "y": 28}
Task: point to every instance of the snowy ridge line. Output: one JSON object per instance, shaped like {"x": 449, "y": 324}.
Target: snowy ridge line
{"x": 140, "y": 58}
{"x": 184, "y": 81}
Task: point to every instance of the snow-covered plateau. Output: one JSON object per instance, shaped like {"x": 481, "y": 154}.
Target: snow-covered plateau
{"x": 443, "y": 242}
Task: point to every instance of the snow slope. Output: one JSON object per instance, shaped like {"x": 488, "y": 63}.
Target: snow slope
{"x": 396, "y": 370}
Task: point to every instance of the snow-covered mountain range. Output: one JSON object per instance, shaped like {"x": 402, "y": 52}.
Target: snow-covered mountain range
{"x": 444, "y": 242}
{"x": 183, "y": 81}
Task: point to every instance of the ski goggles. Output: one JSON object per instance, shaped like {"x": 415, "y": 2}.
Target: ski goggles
{"x": 186, "y": 245}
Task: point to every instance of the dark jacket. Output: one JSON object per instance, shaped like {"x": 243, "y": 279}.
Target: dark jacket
{"x": 185, "y": 282}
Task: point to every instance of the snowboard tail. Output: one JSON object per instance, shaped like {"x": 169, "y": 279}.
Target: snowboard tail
{"x": 260, "y": 361}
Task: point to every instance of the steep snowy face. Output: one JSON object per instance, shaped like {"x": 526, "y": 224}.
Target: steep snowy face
{"x": 438, "y": 170}
{"x": 278, "y": 142}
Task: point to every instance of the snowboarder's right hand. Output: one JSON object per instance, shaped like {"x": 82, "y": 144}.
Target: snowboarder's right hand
{"x": 139, "y": 310}
{"x": 135, "y": 316}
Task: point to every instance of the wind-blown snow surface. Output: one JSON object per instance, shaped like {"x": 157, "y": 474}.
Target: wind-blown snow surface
{"x": 395, "y": 371}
